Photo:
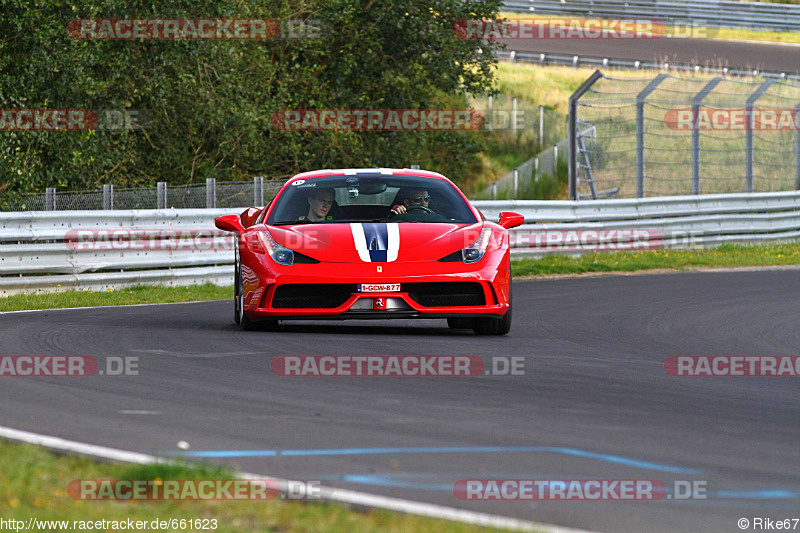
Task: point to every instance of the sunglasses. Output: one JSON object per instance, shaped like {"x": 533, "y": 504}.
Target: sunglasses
{"x": 421, "y": 198}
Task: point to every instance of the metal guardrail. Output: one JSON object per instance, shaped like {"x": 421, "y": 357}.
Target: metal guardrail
{"x": 714, "y": 14}
{"x": 98, "y": 250}
{"x": 682, "y": 222}
{"x": 546, "y": 58}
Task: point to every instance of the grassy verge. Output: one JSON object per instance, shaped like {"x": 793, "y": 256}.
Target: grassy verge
{"x": 734, "y": 34}
{"x": 33, "y": 484}
{"x": 133, "y": 295}
{"x": 727, "y": 255}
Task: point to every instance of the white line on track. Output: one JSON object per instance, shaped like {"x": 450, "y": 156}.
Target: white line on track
{"x": 338, "y": 495}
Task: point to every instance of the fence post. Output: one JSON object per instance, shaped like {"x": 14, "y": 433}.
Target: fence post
{"x": 50, "y": 199}
{"x": 748, "y": 132}
{"x": 640, "y": 100}
{"x": 536, "y": 169}
{"x": 572, "y": 132}
{"x": 797, "y": 153}
{"x": 258, "y": 191}
{"x": 514, "y": 115}
{"x": 161, "y": 194}
{"x": 108, "y": 196}
{"x": 490, "y": 114}
{"x": 541, "y": 127}
{"x": 555, "y": 160}
{"x": 494, "y": 191}
{"x": 696, "y": 101}
{"x": 516, "y": 182}
{"x": 211, "y": 193}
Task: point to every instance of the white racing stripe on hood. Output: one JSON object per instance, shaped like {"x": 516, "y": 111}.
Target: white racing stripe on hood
{"x": 394, "y": 242}
{"x": 376, "y": 242}
{"x": 360, "y": 241}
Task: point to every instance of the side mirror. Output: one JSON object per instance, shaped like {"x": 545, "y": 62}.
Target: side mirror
{"x": 229, "y": 223}
{"x": 249, "y": 217}
{"x": 511, "y": 220}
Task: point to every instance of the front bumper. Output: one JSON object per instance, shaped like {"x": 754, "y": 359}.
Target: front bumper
{"x": 488, "y": 292}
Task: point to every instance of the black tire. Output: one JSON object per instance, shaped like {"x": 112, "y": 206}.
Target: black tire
{"x": 239, "y": 315}
{"x": 459, "y": 323}
{"x": 495, "y": 326}
{"x": 237, "y": 291}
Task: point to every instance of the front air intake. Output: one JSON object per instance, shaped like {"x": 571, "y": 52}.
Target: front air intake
{"x": 446, "y": 294}
{"x": 312, "y": 295}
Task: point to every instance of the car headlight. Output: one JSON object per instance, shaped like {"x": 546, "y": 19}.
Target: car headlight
{"x": 474, "y": 252}
{"x": 262, "y": 242}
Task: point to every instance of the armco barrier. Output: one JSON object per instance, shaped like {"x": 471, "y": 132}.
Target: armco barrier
{"x": 97, "y": 250}
{"x": 697, "y": 221}
{"x": 48, "y": 251}
{"x": 716, "y": 14}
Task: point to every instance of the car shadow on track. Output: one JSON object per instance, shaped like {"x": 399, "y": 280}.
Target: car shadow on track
{"x": 351, "y": 328}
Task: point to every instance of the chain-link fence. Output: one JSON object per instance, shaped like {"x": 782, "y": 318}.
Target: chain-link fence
{"x": 209, "y": 195}
{"x": 666, "y": 135}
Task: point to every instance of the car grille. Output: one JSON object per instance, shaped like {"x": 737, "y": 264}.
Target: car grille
{"x": 446, "y": 294}
{"x": 312, "y": 295}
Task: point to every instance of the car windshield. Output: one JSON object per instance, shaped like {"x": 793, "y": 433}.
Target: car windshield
{"x": 370, "y": 198}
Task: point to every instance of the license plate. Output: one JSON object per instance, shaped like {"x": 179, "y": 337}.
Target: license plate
{"x": 378, "y": 287}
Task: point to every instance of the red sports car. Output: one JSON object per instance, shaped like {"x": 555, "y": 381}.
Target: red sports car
{"x": 372, "y": 243}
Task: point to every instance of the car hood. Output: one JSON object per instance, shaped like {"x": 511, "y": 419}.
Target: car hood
{"x": 376, "y": 241}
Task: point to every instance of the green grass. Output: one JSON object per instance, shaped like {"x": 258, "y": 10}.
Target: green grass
{"x": 33, "y": 483}
{"x": 727, "y": 255}
{"x": 133, "y": 295}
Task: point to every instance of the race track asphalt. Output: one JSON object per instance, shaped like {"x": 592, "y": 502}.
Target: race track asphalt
{"x": 694, "y": 51}
{"x": 594, "y": 400}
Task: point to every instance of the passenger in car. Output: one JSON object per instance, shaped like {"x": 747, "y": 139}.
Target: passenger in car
{"x": 320, "y": 204}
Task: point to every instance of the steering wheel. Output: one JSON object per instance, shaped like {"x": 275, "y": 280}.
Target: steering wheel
{"x": 422, "y": 207}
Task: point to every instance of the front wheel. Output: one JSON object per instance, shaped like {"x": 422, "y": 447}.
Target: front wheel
{"x": 495, "y": 326}
{"x": 238, "y": 298}
{"x": 459, "y": 323}
{"x": 237, "y": 291}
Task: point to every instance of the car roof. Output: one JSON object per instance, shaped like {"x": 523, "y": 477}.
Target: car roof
{"x": 368, "y": 172}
